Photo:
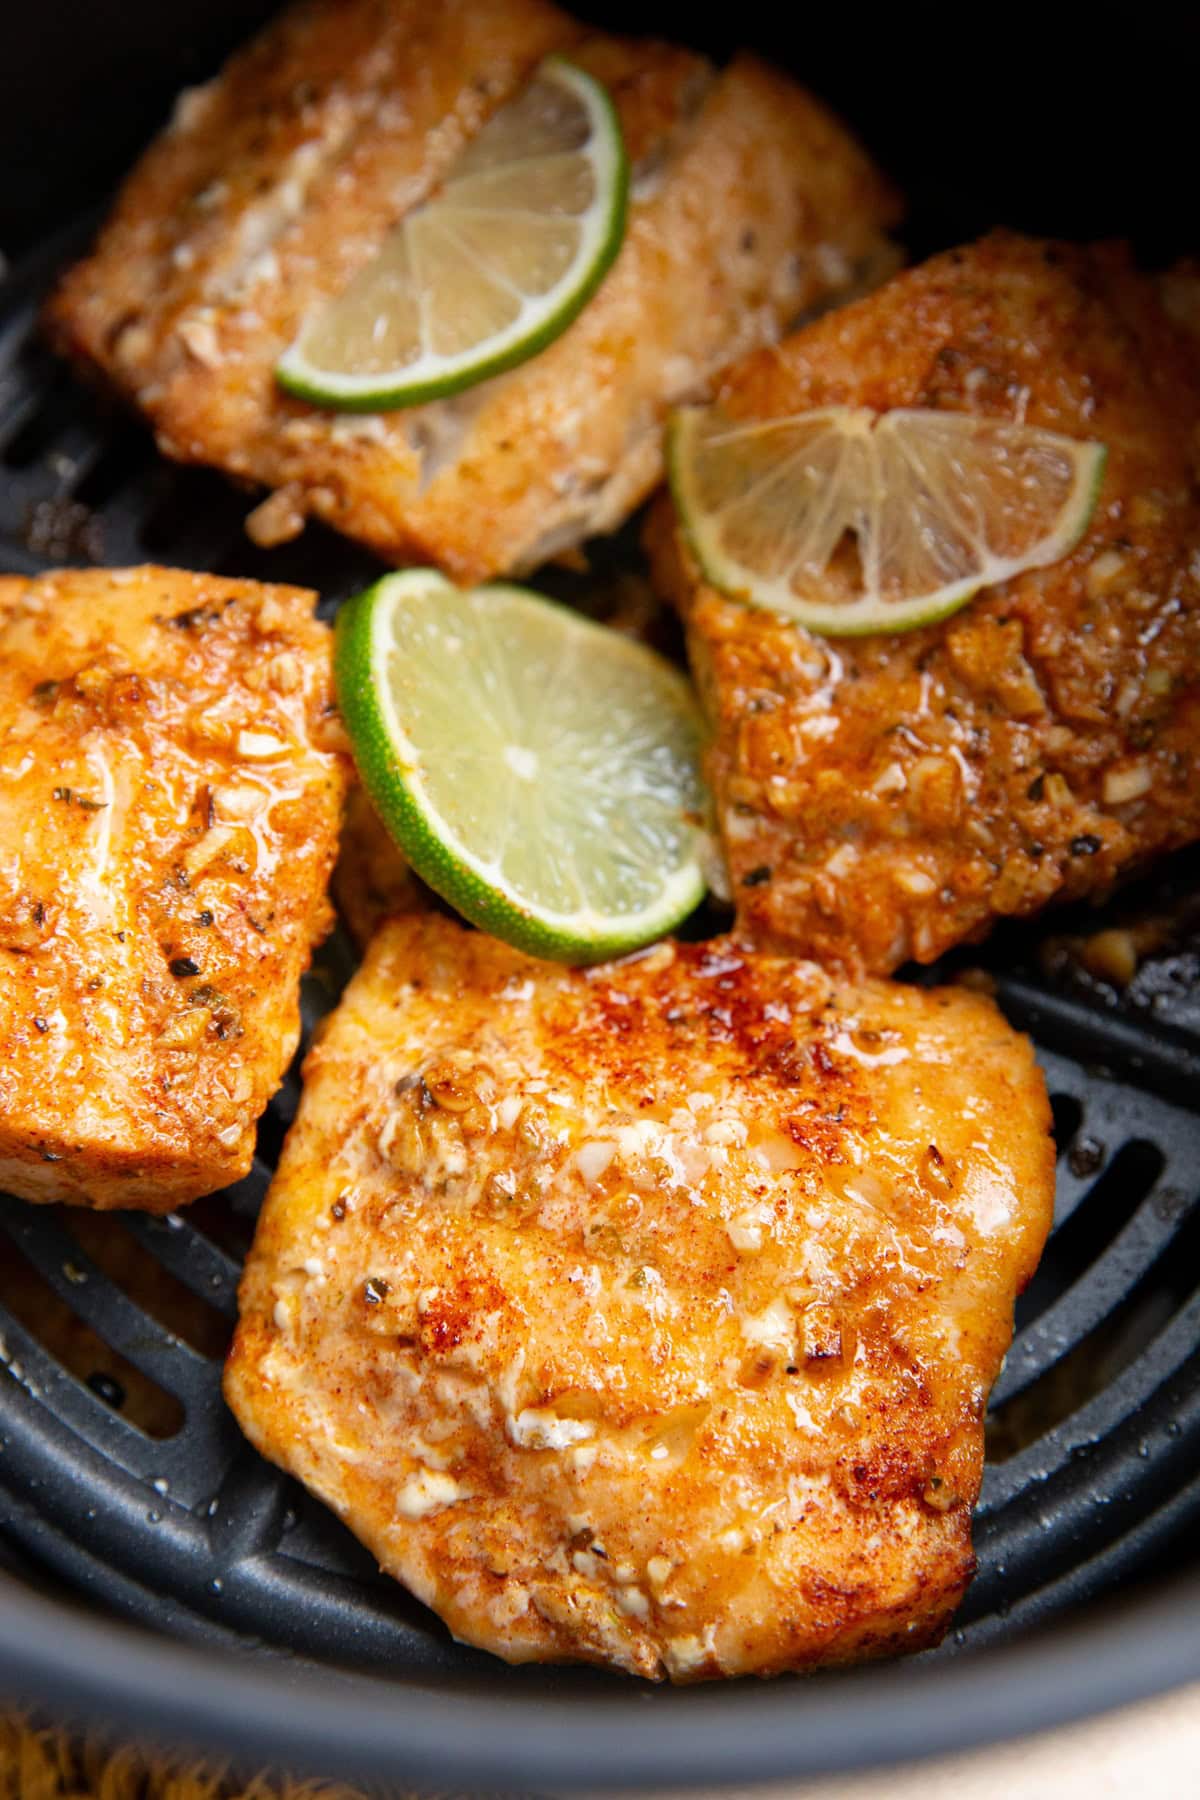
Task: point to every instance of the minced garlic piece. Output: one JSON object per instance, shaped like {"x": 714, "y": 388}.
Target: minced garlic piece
{"x": 427, "y": 1491}
{"x": 1128, "y": 782}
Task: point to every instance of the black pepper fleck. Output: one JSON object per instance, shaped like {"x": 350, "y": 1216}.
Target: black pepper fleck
{"x": 182, "y": 967}
{"x": 194, "y": 619}
{"x": 1086, "y": 844}
{"x": 70, "y": 798}
{"x": 756, "y": 877}
{"x": 40, "y": 1024}
{"x": 375, "y": 1290}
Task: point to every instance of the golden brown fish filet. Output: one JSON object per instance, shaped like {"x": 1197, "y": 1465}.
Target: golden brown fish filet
{"x": 168, "y": 814}
{"x": 646, "y": 1315}
{"x": 278, "y": 181}
{"x": 887, "y": 797}
{"x": 371, "y": 880}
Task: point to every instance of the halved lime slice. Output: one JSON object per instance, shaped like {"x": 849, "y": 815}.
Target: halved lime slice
{"x": 490, "y": 270}
{"x": 540, "y": 772}
{"x": 936, "y": 505}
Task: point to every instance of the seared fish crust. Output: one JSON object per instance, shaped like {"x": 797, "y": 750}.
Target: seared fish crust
{"x": 280, "y": 179}
{"x": 646, "y": 1315}
{"x": 888, "y": 797}
{"x": 371, "y": 880}
{"x": 169, "y": 802}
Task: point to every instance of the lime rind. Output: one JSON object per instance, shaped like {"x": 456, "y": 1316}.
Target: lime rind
{"x": 541, "y": 320}
{"x": 872, "y": 615}
{"x": 390, "y": 766}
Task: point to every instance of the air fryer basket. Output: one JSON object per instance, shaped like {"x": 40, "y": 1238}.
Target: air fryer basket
{"x": 289, "y": 1644}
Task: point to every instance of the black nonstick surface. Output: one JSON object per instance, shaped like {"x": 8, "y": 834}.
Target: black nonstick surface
{"x": 275, "y": 1636}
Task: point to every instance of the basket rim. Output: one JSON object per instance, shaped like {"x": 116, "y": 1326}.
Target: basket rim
{"x": 291, "y": 1713}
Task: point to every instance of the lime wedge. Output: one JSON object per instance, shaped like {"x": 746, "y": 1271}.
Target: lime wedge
{"x": 852, "y": 521}
{"x": 489, "y": 271}
{"x": 540, "y": 772}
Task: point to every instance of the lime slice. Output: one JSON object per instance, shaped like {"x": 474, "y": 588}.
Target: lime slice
{"x": 853, "y": 521}
{"x": 489, "y": 271}
{"x": 537, "y": 770}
